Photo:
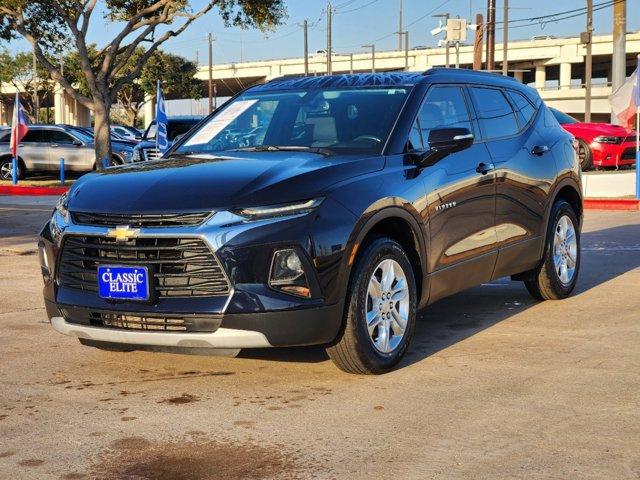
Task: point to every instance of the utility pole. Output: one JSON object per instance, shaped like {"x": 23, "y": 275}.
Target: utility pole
{"x": 197, "y": 58}
{"x": 351, "y": 63}
{"x": 210, "y": 39}
{"x": 36, "y": 106}
{"x": 505, "y": 39}
{"x": 400, "y": 27}
{"x": 477, "y": 42}
{"x": 619, "y": 60}
{"x": 329, "y": 39}
{"x": 305, "y": 26}
{"x": 373, "y": 56}
{"x": 491, "y": 34}
{"x": 406, "y": 50}
{"x": 586, "y": 38}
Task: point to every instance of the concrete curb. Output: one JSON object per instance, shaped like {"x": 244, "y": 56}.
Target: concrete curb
{"x": 611, "y": 204}
{"x": 30, "y": 190}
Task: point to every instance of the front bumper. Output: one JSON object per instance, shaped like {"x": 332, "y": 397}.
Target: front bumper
{"x": 609, "y": 155}
{"x": 252, "y": 315}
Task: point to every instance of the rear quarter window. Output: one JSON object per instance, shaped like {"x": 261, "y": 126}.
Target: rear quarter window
{"x": 523, "y": 108}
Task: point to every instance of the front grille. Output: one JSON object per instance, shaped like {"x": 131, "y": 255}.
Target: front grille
{"x": 169, "y": 323}
{"x": 628, "y": 154}
{"x": 151, "y": 153}
{"x": 182, "y": 267}
{"x": 140, "y": 220}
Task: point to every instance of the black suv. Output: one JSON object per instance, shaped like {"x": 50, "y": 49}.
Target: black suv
{"x": 320, "y": 210}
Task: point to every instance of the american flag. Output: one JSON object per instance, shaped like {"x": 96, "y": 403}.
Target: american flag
{"x": 19, "y": 127}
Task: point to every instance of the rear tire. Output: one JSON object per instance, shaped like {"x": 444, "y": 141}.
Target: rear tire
{"x": 585, "y": 155}
{"x": 380, "y": 310}
{"x": 557, "y": 275}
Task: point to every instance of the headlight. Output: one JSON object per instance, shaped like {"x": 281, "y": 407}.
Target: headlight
{"x": 135, "y": 156}
{"x": 281, "y": 210}
{"x": 606, "y": 139}
{"x": 62, "y": 206}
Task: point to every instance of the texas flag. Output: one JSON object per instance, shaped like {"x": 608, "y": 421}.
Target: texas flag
{"x": 625, "y": 101}
{"x": 19, "y": 127}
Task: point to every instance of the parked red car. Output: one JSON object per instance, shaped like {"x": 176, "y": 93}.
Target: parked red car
{"x": 600, "y": 144}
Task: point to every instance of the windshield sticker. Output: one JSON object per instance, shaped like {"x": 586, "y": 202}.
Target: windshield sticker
{"x": 219, "y": 122}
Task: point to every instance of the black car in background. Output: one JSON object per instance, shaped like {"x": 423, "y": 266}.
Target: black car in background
{"x": 177, "y": 126}
{"x": 322, "y": 210}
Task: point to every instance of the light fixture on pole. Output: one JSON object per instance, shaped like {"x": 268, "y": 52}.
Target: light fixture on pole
{"x": 442, "y": 28}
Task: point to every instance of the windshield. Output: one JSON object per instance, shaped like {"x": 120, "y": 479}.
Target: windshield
{"x": 563, "y": 118}
{"x": 334, "y": 120}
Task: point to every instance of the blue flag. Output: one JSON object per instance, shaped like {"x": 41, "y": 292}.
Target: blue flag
{"x": 162, "y": 139}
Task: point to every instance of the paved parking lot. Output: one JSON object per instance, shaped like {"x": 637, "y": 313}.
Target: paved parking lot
{"x": 496, "y": 386}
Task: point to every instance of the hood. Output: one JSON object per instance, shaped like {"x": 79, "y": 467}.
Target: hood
{"x": 195, "y": 184}
{"x": 123, "y": 144}
{"x": 596, "y": 129}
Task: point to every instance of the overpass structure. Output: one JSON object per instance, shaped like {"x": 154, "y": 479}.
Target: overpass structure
{"x": 554, "y": 66}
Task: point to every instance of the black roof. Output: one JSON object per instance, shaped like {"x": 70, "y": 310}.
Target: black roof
{"x": 395, "y": 79}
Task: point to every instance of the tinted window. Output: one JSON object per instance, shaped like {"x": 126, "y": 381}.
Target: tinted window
{"x": 179, "y": 128}
{"x": 524, "y": 109}
{"x": 33, "y": 136}
{"x": 57, "y": 136}
{"x": 562, "y": 117}
{"x": 495, "y": 114}
{"x": 443, "y": 107}
{"x": 5, "y": 136}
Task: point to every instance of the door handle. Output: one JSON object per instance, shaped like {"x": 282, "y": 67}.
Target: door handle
{"x": 539, "y": 150}
{"x": 54, "y": 145}
{"x": 485, "y": 168}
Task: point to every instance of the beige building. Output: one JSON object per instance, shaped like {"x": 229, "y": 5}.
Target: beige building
{"x": 555, "y": 66}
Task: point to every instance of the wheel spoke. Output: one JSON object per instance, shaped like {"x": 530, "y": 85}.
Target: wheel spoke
{"x": 388, "y": 275}
{"x": 375, "y": 289}
{"x": 383, "y": 336}
{"x": 398, "y": 321}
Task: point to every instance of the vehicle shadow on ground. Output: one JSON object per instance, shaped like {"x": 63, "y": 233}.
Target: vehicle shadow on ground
{"x": 606, "y": 254}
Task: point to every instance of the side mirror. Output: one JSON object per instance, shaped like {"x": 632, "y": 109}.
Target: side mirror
{"x": 77, "y": 143}
{"x": 443, "y": 142}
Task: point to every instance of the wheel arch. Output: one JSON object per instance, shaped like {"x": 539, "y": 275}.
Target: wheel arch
{"x": 402, "y": 226}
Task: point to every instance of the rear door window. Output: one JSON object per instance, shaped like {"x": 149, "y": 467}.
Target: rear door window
{"x": 442, "y": 107}
{"x": 495, "y": 115}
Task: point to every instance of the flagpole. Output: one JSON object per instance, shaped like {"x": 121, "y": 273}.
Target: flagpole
{"x": 638, "y": 152}
{"x": 157, "y": 129}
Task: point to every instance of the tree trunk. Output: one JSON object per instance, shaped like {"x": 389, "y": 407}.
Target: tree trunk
{"x": 102, "y": 132}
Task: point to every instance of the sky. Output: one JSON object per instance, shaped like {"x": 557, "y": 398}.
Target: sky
{"x": 360, "y": 22}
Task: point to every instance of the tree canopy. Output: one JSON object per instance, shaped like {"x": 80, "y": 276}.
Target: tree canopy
{"x": 51, "y": 26}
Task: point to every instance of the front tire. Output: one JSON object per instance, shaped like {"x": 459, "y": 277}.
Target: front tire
{"x": 585, "y": 156}
{"x": 380, "y": 310}
{"x": 557, "y": 275}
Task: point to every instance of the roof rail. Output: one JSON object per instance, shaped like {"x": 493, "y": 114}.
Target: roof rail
{"x": 466, "y": 72}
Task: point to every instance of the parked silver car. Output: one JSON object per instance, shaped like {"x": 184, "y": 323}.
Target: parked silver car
{"x": 44, "y": 145}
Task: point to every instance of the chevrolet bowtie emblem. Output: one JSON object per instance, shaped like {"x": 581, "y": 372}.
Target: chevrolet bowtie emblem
{"x": 122, "y": 233}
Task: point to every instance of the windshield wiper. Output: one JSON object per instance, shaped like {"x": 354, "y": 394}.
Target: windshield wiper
{"x": 285, "y": 148}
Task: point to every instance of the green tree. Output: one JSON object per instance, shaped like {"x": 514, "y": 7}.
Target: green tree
{"x": 50, "y": 25}
{"x": 17, "y": 70}
{"x": 176, "y": 73}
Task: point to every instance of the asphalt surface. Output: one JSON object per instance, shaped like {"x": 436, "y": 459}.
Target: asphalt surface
{"x": 496, "y": 386}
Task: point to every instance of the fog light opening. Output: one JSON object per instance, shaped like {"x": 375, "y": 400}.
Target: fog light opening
{"x": 288, "y": 275}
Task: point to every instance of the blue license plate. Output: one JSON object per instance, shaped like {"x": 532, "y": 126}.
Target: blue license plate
{"x": 125, "y": 283}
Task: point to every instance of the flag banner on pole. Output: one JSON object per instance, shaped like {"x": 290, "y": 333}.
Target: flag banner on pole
{"x": 626, "y": 100}
{"x": 162, "y": 138}
{"x": 19, "y": 127}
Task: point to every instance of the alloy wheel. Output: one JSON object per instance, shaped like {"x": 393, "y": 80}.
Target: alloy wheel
{"x": 387, "y": 309}
{"x": 565, "y": 250}
{"x": 5, "y": 171}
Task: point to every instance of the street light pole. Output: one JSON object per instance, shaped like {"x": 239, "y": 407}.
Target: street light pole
{"x": 406, "y": 51}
